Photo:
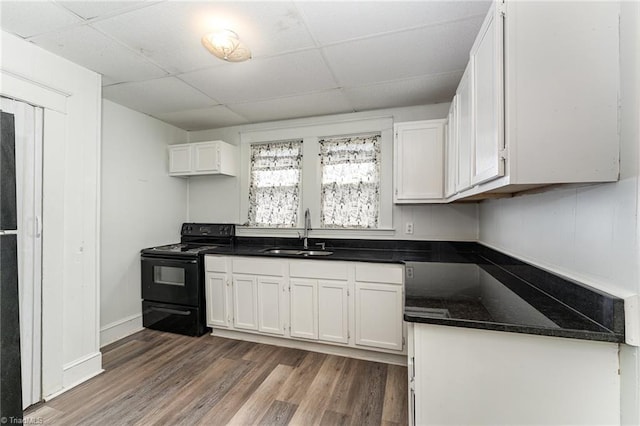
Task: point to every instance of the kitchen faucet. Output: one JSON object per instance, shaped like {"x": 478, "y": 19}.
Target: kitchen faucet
{"x": 307, "y": 228}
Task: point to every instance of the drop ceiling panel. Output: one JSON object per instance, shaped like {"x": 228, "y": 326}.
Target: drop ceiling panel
{"x": 399, "y": 93}
{"x": 26, "y": 19}
{"x": 92, "y": 49}
{"x": 261, "y": 79}
{"x": 203, "y": 118}
{"x": 434, "y": 50}
{"x": 310, "y": 105}
{"x": 169, "y": 33}
{"x": 158, "y": 96}
{"x": 332, "y": 21}
{"x": 309, "y": 57}
{"x": 97, "y": 8}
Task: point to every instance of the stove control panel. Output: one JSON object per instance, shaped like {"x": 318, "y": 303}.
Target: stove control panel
{"x": 208, "y": 230}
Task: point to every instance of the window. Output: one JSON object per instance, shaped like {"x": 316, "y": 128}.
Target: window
{"x": 274, "y": 188}
{"x": 350, "y": 193}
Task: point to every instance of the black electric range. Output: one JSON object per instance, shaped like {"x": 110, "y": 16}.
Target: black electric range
{"x": 173, "y": 278}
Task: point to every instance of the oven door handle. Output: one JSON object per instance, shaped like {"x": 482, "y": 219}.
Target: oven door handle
{"x": 170, "y": 311}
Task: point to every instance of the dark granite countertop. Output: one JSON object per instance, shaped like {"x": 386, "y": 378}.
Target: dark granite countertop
{"x": 465, "y": 284}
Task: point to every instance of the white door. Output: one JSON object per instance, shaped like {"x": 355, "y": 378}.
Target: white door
{"x": 333, "y": 311}
{"x": 487, "y": 54}
{"x": 245, "y": 302}
{"x": 465, "y": 129}
{"x": 28, "y": 144}
{"x": 304, "y": 305}
{"x": 217, "y": 293}
{"x": 419, "y": 158}
{"x": 180, "y": 159}
{"x": 206, "y": 157}
{"x": 271, "y": 305}
{"x": 379, "y": 315}
{"x": 451, "y": 150}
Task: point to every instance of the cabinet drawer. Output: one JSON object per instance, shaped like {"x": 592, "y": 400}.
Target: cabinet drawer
{"x": 373, "y": 273}
{"x": 318, "y": 269}
{"x": 215, "y": 263}
{"x": 256, "y": 266}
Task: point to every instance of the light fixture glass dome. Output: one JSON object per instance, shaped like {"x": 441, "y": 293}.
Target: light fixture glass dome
{"x": 226, "y": 45}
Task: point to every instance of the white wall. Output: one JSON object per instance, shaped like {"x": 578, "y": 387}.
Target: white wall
{"x": 589, "y": 233}
{"x": 141, "y": 207}
{"x": 217, "y": 198}
{"x": 70, "y": 96}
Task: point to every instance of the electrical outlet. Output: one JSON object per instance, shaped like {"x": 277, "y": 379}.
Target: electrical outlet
{"x": 408, "y": 228}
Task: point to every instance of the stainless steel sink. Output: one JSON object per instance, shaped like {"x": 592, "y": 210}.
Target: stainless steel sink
{"x": 296, "y": 252}
{"x": 315, "y": 252}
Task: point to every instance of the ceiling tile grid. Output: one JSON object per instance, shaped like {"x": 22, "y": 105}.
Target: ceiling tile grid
{"x": 309, "y": 57}
{"x": 162, "y": 95}
{"x": 265, "y": 78}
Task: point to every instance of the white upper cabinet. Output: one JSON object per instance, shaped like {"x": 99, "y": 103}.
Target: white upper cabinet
{"x": 488, "y": 135}
{"x": 464, "y": 131}
{"x": 538, "y": 102}
{"x": 203, "y": 158}
{"x": 451, "y": 150}
{"x": 419, "y": 161}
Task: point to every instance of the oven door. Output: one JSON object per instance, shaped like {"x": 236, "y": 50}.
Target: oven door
{"x": 171, "y": 280}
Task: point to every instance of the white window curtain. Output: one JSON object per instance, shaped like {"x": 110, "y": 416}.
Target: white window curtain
{"x": 274, "y": 188}
{"x": 350, "y": 194}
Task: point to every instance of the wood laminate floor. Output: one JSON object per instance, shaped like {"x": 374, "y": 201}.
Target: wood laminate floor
{"x": 160, "y": 378}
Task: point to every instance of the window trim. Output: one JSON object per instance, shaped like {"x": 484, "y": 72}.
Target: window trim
{"x": 311, "y": 172}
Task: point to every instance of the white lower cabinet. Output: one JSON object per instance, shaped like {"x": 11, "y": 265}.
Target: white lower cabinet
{"x": 463, "y": 376}
{"x": 245, "y": 302}
{"x": 378, "y": 304}
{"x": 271, "y": 310}
{"x": 377, "y": 308}
{"x": 217, "y": 294}
{"x": 304, "y": 308}
{"x": 218, "y": 291}
{"x": 351, "y": 304}
{"x": 333, "y": 311}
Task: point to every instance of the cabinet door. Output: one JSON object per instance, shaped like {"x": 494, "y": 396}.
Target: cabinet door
{"x": 245, "y": 302}
{"x": 217, "y": 297}
{"x": 451, "y": 150}
{"x": 487, "y": 58}
{"x": 333, "y": 311}
{"x": 419, "y": 169}
{"x": 271, "y": 310}
{"x": 465, "y": 129}
{"x": 304, "y": 314}
{"x": 379, "y": 315}
{"x": 180, "y": 159}
{"x": 206, "y": 157}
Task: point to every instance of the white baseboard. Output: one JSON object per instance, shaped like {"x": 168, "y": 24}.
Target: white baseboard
{"x": 119, "y": 329}
{"x": 77, "y": 372}
{"x": 388, "y": 358}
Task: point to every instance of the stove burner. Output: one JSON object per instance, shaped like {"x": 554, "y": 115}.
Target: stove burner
{"x": 182, "y": 248}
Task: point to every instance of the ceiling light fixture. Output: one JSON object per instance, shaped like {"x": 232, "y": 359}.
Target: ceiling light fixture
{"x": 226, "y": 45}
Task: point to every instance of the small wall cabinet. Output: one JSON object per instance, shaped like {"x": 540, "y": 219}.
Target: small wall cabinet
{"x": 419, "y": 161}
{"x": 203, "y": 158}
